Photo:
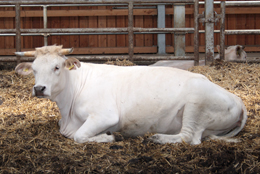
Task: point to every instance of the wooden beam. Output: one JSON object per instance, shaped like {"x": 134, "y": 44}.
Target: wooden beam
{"x": 95, "y": 50}
{"x": 124, "y": 50}
{"x": 121, "y": 12}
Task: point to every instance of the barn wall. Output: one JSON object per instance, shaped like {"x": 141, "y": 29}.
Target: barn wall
{"x": 99, "y": 17}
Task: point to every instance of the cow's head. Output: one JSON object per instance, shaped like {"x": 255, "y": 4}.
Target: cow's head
{"x": 235, "y": 52}
{"x": 49, "y": 68}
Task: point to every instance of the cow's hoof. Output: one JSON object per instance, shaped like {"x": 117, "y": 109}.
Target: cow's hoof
{"x": 155, "y": 139}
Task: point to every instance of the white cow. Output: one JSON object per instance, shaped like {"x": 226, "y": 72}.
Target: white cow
{"x": 96, "y": 98}
{"x": 235, "y": 52}
{"x": 231, "y": 53}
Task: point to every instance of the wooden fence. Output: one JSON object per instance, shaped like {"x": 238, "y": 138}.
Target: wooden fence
{"x": 108, "y": 16}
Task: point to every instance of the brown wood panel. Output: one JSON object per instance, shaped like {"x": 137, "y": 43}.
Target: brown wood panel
{"x": 27, "y": 23}
{"x": 139, "y": 38}
{"x": 126, "y": 37}
{"x": 37, "y": 22}
{"x": 93, "y": 39}
{"x": 168, "y": 24}
{"x": 95, "y": 50}
{"x": 188, "y": 36}
{"x": 231, "y": 24}
{"x": 155, "y": 26}
{"x": 74, "y": 23}
{"x": 124, "y": 50}
{"x": 9, "y": 24}
{"x": 54, "y": 22}
{"x": 102, "y": 39}
{"x": 121, "y": 38}
{"x": 118, "y": 18}
{"x": 121, "y": 12}
{"x": 111, "y": 23}
{"x": 241, "y": 24}
{"x": 250, "y": 24}
{"x": 65, "y": 23}
{"x": 148, "y": 38}
{"x": 2, "y": 26}
{"x": 257, "y": 26}
{"x": 84, "y": 23}
{"x": 191, "y": 25}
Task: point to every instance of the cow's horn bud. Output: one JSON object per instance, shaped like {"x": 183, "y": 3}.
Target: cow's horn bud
{"x": 27, "y": 53}
{"x": 66, "y": 51}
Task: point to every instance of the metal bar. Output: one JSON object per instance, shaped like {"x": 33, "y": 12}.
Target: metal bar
{"x": 91, "y": 1}
{"x": 100, "y": 30}
{"x": 179, "y": 22}
{"x": 69, "y": 34}
{"x": 222, "y": 31}
{"x": 162, "y": 57}
{"x": 242, "y": 31}
{"x": 130, "y": 31}
{"x": 107, "y": 57}
{"x": 209, "y": 32}
{"x": 45, "y": 24}
{"x": 236, "y": 3}
{"x": 196, "y": 33}
{"x": 92, "y": 5}
{"x": 149, "y": 7}
{"x": 7, "y": 31}
{"x": 171, "y": 30}
{"x": 97, "y": 31}
{"x": 228, "y": 3}
{"x": 161, "y": 24}
{"x": 242, "y": 3}
{"x": 18, "y": 32}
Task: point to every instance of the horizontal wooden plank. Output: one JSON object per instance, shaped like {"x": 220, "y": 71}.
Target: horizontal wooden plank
{"x": 120, "y": 12}
{"x": 95, "y": 50}
{"x": 71, "y": 13}
{"x": 124, "y": 50}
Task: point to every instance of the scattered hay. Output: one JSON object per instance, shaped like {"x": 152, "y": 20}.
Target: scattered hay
{"x": 30, "y": 141}
{"x": 118, "y": 62}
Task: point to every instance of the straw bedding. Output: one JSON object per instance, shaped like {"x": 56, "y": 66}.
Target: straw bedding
{"x": 30, "y": 141}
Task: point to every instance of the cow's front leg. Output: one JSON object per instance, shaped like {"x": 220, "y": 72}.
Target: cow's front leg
{"x": 59, "y": 122}
{"x": 93, "y": 126}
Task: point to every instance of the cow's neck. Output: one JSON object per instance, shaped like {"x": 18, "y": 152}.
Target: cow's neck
{"x": 65, "y": 98}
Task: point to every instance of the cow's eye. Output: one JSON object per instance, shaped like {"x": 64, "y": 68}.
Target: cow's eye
{"x": 56, "y": 68}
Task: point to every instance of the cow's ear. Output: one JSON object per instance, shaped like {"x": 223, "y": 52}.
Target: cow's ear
{"x": 238, "y": 50}
{"x": 71, "y": 63}
{"x": 24, "y": 68}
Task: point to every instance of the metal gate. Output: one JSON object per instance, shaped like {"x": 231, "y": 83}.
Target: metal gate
{"x": 179, "y": 30}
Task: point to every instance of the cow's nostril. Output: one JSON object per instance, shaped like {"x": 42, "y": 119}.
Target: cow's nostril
{"x": 43, "y": 88}
{"x": 39, "y": 88}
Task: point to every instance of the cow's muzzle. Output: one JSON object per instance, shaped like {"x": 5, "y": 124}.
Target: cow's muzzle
{"x": 39, "y": 91}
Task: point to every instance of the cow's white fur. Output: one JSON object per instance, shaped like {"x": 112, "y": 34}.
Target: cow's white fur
{"x": 177, "y": 105}
{"x": 232, "y": 53}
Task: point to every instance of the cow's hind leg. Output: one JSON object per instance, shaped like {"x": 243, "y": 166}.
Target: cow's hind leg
{"x": 191, "y": 131}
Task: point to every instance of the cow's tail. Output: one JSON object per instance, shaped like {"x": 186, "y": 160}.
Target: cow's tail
{"x": 240, "y": 125}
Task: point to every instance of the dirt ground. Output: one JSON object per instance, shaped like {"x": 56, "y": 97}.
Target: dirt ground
{"x": 30, "y": 141}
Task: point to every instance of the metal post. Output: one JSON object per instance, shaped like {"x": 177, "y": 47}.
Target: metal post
{"x": 45, "y": 24}
{"x": 179, "y": 22}
{"x": 222, "y": 30}
{"x": 161, "y": 24}
{"x": 130, "y": 31}
{"x": 196, "y": 33}
{"x": 209, "y": 31}
{"x": 18, "y": 31}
